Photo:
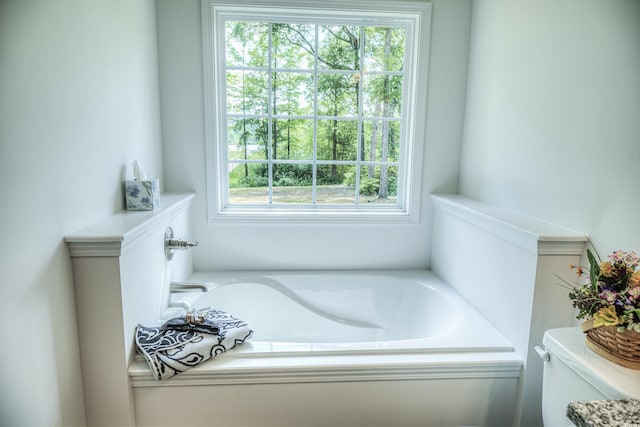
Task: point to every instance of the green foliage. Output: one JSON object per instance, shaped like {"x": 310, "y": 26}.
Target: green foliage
{"x": 287, "y": 175}
{"x": 594, "y": 269}
{"x": 370, "y": 186}
{"x": 238, "y": 180}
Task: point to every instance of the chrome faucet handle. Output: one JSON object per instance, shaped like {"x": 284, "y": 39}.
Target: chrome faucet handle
{"x": 172, "y": 244}
{"x": 180, "y": 244}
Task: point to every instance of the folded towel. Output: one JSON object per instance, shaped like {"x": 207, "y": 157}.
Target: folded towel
{"x": 186, "y": 341}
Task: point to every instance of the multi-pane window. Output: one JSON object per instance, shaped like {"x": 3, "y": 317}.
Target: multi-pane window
{"x": 313, "y": 110}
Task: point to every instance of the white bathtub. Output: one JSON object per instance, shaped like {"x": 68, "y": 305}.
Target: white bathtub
{"x": 343, "y": 336}
{"x": 346, "y": 311}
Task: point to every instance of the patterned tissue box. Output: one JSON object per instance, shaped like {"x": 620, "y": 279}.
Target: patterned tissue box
{"x": 143, "y": 195}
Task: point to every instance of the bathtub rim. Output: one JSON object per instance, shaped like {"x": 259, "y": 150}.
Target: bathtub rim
{"x": 336, "y": 368}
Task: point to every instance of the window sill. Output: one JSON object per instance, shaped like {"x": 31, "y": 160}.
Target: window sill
{"x": 316, "y": 215}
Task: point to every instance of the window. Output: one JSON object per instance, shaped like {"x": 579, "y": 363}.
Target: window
{"x": 313, "y": 108}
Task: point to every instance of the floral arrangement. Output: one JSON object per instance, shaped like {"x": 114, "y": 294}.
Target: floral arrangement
{"x": 611, "y": 292}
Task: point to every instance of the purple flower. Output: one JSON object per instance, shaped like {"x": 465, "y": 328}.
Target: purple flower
{"x": 628, "y": 259}
{"x": 608, "y": 295}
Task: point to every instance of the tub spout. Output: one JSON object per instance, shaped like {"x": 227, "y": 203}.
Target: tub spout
{"x": 176, "y": 287}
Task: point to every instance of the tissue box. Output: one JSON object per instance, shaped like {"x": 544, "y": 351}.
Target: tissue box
{"x": 143, "y": 195}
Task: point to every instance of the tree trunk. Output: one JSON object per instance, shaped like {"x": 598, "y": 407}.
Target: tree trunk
{"x": 274, "y": 124}
{"x": 288, "y": 138}
{"x": 334, "y": 150}
{"x": 334, "y": 136}
{"x": 382, "y": 192}
{"x": 244, "y": 148}
{"x": 374, "y": 142}
{"x": 244, "y": 120}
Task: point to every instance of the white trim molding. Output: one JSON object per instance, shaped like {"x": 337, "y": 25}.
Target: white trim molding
{"x": 109, "y": 238}
{"x": 534, "y": 235}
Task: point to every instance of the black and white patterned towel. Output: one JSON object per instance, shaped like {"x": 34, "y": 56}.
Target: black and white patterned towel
{"x": 171, "y": 351}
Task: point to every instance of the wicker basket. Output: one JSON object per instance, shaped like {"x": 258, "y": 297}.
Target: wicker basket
{"x": 622, "y": 348}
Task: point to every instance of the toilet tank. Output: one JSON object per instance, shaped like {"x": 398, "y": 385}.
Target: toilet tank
{"x": 575, "y": 373}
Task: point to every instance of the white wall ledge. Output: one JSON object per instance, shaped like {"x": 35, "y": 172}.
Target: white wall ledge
{"x": 109, "y": 237}
{"x": 534, "y": 235}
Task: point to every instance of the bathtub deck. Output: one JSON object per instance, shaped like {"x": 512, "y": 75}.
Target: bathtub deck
{"x": 230, "y": 369}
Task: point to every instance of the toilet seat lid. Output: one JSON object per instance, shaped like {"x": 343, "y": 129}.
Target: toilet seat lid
{"x": 614, "y": 381}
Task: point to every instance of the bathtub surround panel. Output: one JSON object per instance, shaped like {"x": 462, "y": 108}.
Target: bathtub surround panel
{"x": 103, "y": 352}
{"x": 462, "y": 375}
{"x": 122, "y": 279}
{"x": 469, "y": 376}
{"x": 370, "y": 403}
{"x": 504, "y": 263}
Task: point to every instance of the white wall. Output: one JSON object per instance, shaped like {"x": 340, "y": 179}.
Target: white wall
{"x": 552, "y": 125}
{"x": 79, "y": 100}
{"x": 291, "y": 246}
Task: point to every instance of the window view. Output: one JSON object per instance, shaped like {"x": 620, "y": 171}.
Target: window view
{"x": 313, "y": 113}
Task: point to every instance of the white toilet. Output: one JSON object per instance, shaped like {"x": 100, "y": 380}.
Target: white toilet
{"x": 572, "y": 372}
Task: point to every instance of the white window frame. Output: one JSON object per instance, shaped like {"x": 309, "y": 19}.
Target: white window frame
{"x": 414, "y": 15}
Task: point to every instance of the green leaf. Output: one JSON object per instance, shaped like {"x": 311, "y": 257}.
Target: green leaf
{"x": 594, "y": 270}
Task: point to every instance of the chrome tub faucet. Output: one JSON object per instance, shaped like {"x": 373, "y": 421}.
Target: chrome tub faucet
{"x": 177, "y": 287}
